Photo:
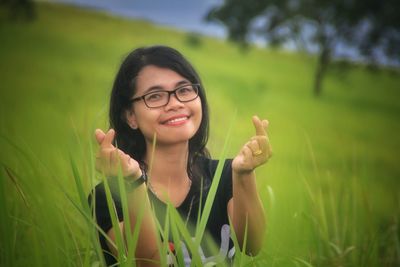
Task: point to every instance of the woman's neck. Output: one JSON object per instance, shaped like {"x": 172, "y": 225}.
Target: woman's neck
{"x": 168, "y": 164}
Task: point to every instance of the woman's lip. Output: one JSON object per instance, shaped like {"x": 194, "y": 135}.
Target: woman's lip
{"x": 176, "y": 120}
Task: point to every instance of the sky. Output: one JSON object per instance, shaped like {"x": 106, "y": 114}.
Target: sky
{"x": 183, "y": 14}
{"x": 188, "y": 15}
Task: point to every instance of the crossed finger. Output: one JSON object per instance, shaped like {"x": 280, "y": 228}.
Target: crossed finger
{"x": 108, "y": 139}
{"x": 259, "y": 142}
{"x": 260, "y": 125}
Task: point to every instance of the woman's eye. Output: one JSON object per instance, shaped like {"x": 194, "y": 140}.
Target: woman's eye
{"x": 185, "y": 90}
{"x": 154, "y": 97}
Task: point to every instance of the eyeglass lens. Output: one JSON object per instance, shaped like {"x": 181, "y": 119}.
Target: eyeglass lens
{"x": 161, "y": 98}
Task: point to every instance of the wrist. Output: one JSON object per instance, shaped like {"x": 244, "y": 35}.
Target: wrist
{"x": 133, "y": 176}
{"x": 243, "y": 172}
{"x": 243, "y": 178}
{"x": 134, "y": 181}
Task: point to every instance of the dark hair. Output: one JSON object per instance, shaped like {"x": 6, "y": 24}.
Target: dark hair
{"x": 132, "y": 141}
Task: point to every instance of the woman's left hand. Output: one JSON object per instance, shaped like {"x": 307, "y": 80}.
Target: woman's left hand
{"x": 255, "y": 152}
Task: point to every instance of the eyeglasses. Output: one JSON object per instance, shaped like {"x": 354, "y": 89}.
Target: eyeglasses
{"x": 184, "y": 93}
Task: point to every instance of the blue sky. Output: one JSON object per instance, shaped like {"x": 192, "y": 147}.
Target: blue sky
{"x": 187, "y": 15}
{"x": 184, "y": 14}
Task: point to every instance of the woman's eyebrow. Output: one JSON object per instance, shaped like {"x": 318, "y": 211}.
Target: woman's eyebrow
{"x": 154, "y": 88}
{"x": 183, "y": 82}
{"x": 160, "y": 88}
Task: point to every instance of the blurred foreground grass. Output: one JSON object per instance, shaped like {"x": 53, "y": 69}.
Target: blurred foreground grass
{"x": 331, "y": 191}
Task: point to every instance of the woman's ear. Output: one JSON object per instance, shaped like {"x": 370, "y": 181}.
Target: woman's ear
{"x": 131, "y": 119}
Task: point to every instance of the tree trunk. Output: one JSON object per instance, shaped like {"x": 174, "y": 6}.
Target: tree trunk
{"x": 323, "y": 61}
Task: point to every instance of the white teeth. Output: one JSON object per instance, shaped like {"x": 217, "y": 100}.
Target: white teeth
{"x": 177, "y": 120}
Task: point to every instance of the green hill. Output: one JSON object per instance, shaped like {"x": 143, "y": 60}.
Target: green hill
{"x": 330, "y": 190}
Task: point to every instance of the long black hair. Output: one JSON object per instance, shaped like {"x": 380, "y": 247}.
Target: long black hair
{"x": 132, "y": 141}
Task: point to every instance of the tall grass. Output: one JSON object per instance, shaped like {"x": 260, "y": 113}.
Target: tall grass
{"x": 340, "y": 227}
{"x": 126, "y": 243}
{"x": 330, "y": 191}
{"x": 336, "y": 209}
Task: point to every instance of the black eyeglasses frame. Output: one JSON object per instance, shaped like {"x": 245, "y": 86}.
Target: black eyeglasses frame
{"x": 195, "y": 86}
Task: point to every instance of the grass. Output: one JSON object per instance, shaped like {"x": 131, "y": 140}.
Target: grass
{"x": 330, "y": 190}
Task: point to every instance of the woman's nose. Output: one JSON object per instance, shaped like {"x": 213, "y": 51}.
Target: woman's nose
{"x": 173, "y": 102}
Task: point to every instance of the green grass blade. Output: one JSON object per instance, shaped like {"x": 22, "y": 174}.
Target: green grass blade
{"x": 303, "y": 262}
{"x": 89, "y": 219}
{"x": 85, "y": 209}
{"x": 244, "y": 243}
{"x": 176, "y": 237}
{"x": 192, "y": 246}
{"x": 127, "y": 222}
{"x": 6, "y": 250}
{"x": 79, "y": 187}
{"x": 238, "y": 253}
{"x": 119, "y": 238}
{"x": 213, "y": 189}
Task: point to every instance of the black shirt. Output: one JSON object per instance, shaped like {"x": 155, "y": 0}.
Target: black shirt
{"x": 217, "y": 225}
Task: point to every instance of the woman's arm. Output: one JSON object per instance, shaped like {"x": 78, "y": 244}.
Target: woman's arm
{"x": 147, "y": 253}
{"x": 109, "y": 160}
{"x": 245, "y": 208}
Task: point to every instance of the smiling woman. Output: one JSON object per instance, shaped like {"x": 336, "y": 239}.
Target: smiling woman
{"x": 159, "y": 119}
{"x": 160, "y": 113}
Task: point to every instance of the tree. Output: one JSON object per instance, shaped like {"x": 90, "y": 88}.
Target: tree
{"x": 369, "y": 27}
{"x": 20, "y": 9}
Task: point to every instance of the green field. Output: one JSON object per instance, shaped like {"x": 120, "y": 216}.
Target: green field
{"x": 331, "y": 190}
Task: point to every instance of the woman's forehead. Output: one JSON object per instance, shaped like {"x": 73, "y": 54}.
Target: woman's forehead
{"x": 156, "y": 77}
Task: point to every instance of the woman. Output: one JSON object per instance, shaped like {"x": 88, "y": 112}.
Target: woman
{"x": 159, "y": 120}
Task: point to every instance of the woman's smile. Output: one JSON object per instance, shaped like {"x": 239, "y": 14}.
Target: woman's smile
{"x": 176, "y": 120}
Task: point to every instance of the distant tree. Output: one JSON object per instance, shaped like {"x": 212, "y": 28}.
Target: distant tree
{"x": 370, "y": 27}
{"x": 193, "y": 40}
{"x": 20, "y": 9}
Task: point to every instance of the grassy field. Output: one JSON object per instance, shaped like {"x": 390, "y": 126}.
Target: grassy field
{"x": 331, "y": 190}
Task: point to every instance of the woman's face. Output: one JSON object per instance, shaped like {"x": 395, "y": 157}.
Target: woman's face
{"x": 174, "y": 123}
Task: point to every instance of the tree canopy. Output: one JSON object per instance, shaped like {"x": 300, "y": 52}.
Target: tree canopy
{"x": 370, "y": 28}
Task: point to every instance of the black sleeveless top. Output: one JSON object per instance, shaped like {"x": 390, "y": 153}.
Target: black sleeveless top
{"x": 217, "y": 225}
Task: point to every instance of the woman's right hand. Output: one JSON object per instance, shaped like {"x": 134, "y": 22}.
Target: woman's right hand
{"x": 109, "y": 159}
